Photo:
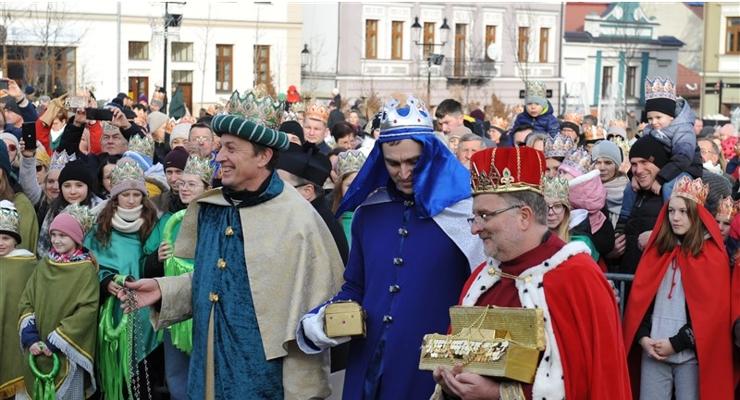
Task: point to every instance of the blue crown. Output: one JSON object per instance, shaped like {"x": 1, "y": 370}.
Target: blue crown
{"x": 413, "y": 118}
{"x": 660, "y": 88}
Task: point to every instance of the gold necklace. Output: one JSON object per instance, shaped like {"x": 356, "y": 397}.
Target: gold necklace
{"x": 493, "y": 271}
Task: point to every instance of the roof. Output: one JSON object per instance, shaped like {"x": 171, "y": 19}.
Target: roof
{"x": 688, "y": 77}
{"x": 585, "y": 37}
{"x": 575, "y": 14}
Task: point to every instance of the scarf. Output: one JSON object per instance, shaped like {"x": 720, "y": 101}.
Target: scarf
{"x": 128, "y": 220}
{"x": 269, "y": 189}
{"x": 78, "y": 254}
{"x": 614, "y": 194}
{"x": 717, "y": 169}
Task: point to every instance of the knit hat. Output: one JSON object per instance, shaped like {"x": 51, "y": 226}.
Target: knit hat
{"x": 9, "y": 220}
{"x": 660, "y": 95}
{"x": 176, "y": 158}
{"x": 616, "y": 131}
{"x": 536, "y": 93}
{"x": 155, "y": 120}
{"x": 77, "y": 170}
{"x": 180, "y": 131}
{"x": 607, "y": 149}
{"x": 294, "y": 128}
{"x": 74, "y": 221}
{"x": 126, "y": 175}
{"x": 11, "y": 104}
{"x": 649, "y": 148}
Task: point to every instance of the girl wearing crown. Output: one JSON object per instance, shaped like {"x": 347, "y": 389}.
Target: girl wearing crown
{"x": 59, "y": 306}
{"x": 566, "y": 224}
{"x": 677, "y": 323}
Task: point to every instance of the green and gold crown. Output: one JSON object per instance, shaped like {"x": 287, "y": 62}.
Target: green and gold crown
{"x": 9, "y": 218}
{"x": 536, "y": 89}
{"x": 143, "y": 145}
{"x": 257, "y": 107}
{"x": 555, "y": 189}
{"x": 126, "y": 169}
{"x": 83, "y": 214}
{"x": 350, "y": 161}
{"x": 199, "y": 166}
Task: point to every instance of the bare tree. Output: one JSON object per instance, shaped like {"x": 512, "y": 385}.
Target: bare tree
{"x": 206, "y": 40}
{"x": 521, "y": 61}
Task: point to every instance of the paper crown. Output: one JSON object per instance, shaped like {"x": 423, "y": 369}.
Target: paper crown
{"x": 695, "y": 190}
{"x": 126, "y": 169}
{"x": 256, "y": 106}
{"x": 578, "y": 160}
{"x": 506, "y": 169}
{"x": 83, "y": 215}
{"x": 317, "y": 111}
{"x": 143, "y": 145}
{"x": 501, "y": 123}
{"x": 9, "y": 219}
{"x": 726, "y": 209}
{"x": 412, "y": 118}
{"x": 199, "y": 166}
{"x": 59, "y": 159}
{"x": 555, "y": 189}
{"x": 558, "y": 146}
{"x": 623, "y": 145}
{"x": 536, "y": 89}
{"x": 574, "y": 118}
{"x": 660, "y": 88}
{"x": 594, "y": 133}
{"x": 349, "y": 161}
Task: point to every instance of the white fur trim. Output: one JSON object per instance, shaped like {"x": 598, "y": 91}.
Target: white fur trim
{"x": 583, "y": 178}
{"x": 20, "y": 253}
{"x": 311, "y": 330}
{"x": 453, "y": 221}
{"x": 576, "y": 217}
{"x": 75, "y": 359}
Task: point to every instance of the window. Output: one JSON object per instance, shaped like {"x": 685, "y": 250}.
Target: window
{"x": 51, "y": 70}
{"x": 396, "y": 40}
{"x": 460, "y": 40}
{"x": 523, "y": 44}
{"x": 182, "y": 51}
{"x": 371, "y": 38}
{"x": 428, "y": 39}
{"x": 544, "y": 43}
{"x": 224, "y": 67}
{"x": 733, "y": 35}
{"x": 631, "y": 77}
{"x": 182, "y": 76}
{"x": 606, "y": 82}
{"x": 262, "y": 65}
{"x": 138, "y": 50}
{"x": 490, "y": 39}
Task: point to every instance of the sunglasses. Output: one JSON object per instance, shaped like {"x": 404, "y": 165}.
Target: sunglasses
{"x": 39, "y": 168}
{"x": 11, "y": 147}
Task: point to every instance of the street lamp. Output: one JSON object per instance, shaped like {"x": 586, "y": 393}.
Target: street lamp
{"x": 304, "y": 56}
{"x": 433, "y": 59}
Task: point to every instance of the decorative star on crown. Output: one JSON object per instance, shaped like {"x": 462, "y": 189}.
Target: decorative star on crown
{"x": 660, "y": 88}
{"x": 257, "y": 106}
{"x": 555, "y": 189}
{"x": 126, "y": 169}
{"x": 83, "y": 214}
{"x": 59, "y": 159}
{"x": 501, "y": 123}
{"x": 695, "y": 190}
{"x": 558, "y": 146}
{"x": 413, "y": 117}
{"x": 349, "y": 161}
{"x": 536, "y": 89}
{"x": 9, "y": 218}
{"x": 594, "y": 133}
{"x": 574, "y": 118}
{"x": 726, "y": 209}
{"x": 317, "y": 111}
{"x": 143, "y": 145}
{"x": 199, "y": 166}
{"x": 579, "y": 159}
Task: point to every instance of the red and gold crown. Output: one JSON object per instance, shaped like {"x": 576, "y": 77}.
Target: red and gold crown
{"x": 726, "y": 209}
{"x": 317, "y": 111}
{"x": 594, "y": 133}
{"x": 507, "y": 169}
{"x": 695, "y": 190}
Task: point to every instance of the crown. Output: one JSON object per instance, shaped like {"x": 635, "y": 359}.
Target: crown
{"x": 623, "y": 145}
{"x": 501, "y": 123}
{"x": 126, "y": 169}
{"x": 580, "y": 159}
{"x": 199, "y": 166}
{"x": 9, "y": 218}
{"x": 660, "y": 88}
{"x": 574, "y": 118}
{"x": 317, "y": 112}
{"x": 536, "y": 89}
{"x": 555, "y": 189}
{"x": 411, "y": 118}
{"x": 695, "y": 190}
{"x": 59, "y": 159}
{"x": 618, "y": 123}
{"x": 488, "y": 177}
{"x": 256, "y": 106}
{"x": 726, "y": 209}
{"x": 299, "y": 107}
{"x": 349, "y": 161}
{"x": 83, "y": 215}
{"x": 594, "y": 133}
{"x": 143, "y": 145}
{"x": 558, "y": 146}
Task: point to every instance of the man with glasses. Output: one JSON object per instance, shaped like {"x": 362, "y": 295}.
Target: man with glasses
{"x": 530, "y": 267}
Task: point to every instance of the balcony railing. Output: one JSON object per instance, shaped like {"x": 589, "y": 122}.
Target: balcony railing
{"x": 469, "y": 68}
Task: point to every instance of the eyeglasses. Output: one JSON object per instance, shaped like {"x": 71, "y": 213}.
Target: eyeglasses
{"x": 11, "y": 147}
{"x": 482, "y": 218}
{"x": 39, "y": 168}
{"x": 556, "y": 208}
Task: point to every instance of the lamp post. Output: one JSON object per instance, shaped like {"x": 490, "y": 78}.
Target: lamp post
{"x": 434, "y": 58}
{"x": 304, "y": 57}
{"x": 170, "y": 21}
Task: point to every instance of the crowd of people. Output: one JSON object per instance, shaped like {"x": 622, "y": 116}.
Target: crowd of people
{"x": 147, "y": 255}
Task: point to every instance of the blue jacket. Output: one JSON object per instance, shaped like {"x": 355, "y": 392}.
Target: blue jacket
{"x": 545, "y": 122}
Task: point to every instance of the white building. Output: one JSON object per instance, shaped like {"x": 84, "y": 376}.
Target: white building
{"x": 115, "y": 46}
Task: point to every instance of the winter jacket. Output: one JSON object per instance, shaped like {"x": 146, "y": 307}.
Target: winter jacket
{"x": 545, "y": 122}
{"x": 679, "y": 139}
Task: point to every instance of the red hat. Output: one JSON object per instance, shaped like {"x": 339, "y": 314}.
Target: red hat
{"x": 293, "y": 96}
{"x": 506, "y": 169}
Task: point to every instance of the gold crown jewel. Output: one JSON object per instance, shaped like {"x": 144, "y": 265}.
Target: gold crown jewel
{"x": 660, "y": 88}
{"x": 256, "y": 106}
{"x": 59, "y": 159}
{"x": 726, "y": 209}
{"x": 350, "y": 161}
{"x": 83, "y": 215}
{"x": 579, "y": 159}
{"x": 594, "y": 133}
{"x": 574, "y": 118}
{"x": 492, "y": 181}
{"x": 317, "y": 111}
{"x": 536, "y": 89}
{"x": 9, "y": 218}
{"x": 143, "y": 145}
{"x": 413, "y": 117}
{"x": 695, "y": 190}
{"x": 558, "y": 146}
{"x": 199, "y": 166}
{"x": 126, "y": 169}
{"x": 555, "y": 189}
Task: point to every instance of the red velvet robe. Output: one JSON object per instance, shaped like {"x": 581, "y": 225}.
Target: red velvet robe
{"x": 707, "y": 285}
{"x": 584, "y": 318}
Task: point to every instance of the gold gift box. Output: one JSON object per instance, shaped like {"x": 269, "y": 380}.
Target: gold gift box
{"x": 345, "y": 318}
{"x": 496, "y": 342}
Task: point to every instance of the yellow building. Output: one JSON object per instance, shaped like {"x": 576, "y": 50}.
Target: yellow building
{"x": 721, "y": 59}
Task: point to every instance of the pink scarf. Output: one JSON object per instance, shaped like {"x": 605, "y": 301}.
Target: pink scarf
{"x": 587, "y": 192}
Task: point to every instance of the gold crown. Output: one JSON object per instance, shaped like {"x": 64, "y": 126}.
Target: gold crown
{"x": 126, "y": 169}
{"x": 558, "y": 146}
{"x": 536, "y": 89}
{"x": 350, "y": 161}
{"x": 555, "y": 189}
{"x": 317, "y": 112}
{"x": 726, "y": 209}
{"x": 594, "y": 133}
{"x": 501, "y": 123}
{"x": 199, "y": 166}
{"x": 256, "y": 106}
{"x": 695, "y": 190}
{"x": 143, "y": 145}
{"x": 574, "y": 118}
{"x": 9, "y": 218}
{"x": 83, "y": 215}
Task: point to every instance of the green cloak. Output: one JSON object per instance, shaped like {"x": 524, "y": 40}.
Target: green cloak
{"x": 29, "y": 223}
{"x": 181, "y": 333}
{"x": 63, "y": 300}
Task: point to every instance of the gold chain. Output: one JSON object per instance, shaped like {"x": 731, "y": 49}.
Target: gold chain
{"x": 494, "y": 271}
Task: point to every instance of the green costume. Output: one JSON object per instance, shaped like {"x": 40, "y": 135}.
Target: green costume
{"x": 346, "y": 220}
{"x": 15, "y": 269}
{"x": 62, "y": 299}
{"x": 181, "y": 333}
{"x": 29, "y": 223}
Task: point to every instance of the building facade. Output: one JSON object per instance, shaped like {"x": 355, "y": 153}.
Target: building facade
{"x": 114, "y": 46}
{"x": 721, "y": 61}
